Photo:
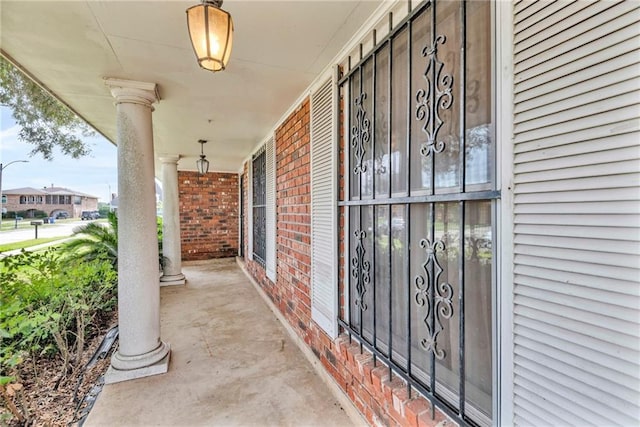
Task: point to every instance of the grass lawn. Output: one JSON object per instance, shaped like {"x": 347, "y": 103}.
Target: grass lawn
{"x": 10, "y": 224}
{"x": 29, "y": 243}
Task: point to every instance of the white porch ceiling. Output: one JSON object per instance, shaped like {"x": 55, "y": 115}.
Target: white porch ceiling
{"x": 279, "y": 49}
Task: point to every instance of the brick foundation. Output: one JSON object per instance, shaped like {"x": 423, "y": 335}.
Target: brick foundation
{"x": 208, "y": 215}
{"x": 382, "y": 400}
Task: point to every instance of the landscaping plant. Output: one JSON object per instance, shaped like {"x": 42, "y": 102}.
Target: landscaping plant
{"x": 48, "y": 305}
{"x": 96, "y": 240}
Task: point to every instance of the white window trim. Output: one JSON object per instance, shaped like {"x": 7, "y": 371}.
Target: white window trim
{"x": 504, "y": 351}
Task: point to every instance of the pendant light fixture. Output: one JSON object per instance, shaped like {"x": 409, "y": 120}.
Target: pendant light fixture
{"x": 202, "y": 163}
{"x": 211, "y": 32}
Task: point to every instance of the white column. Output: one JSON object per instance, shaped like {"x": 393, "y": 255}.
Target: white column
{"x": 141, "y": 352}
{"x": 171, "y": 248}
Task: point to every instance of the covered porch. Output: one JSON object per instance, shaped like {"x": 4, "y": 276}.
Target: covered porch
{"x": 233, "y": 363}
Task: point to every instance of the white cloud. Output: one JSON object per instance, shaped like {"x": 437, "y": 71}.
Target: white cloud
{"x": 92, "y": 174}
{"x": 11, "y": 132}
{"x": 9, "y": 141}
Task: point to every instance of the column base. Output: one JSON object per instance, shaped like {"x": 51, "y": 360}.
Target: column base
{"x": 114, "y": 375}
{"x": 172, "y": 280}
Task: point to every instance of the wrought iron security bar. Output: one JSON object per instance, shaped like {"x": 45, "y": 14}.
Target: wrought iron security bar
{"x": 259, "y": 178}
{"x": 419, "y": 204}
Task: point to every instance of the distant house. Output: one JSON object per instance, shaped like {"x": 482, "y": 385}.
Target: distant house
{"x": 113, "y": 204}
{"x": 50, "y": 200}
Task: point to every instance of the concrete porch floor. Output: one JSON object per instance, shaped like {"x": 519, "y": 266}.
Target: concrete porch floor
{"x": 232, "y": 364}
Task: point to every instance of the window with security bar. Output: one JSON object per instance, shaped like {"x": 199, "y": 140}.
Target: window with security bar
{"x": 419, "y": 202}
{"x": 259, "y": 207}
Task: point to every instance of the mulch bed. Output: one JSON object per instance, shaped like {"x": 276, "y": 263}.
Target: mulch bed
{"x": 47, "y": 399}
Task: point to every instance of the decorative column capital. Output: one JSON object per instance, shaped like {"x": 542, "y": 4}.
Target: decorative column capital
{"x": 169, "y": 158}
{"x": 133, "y": 92}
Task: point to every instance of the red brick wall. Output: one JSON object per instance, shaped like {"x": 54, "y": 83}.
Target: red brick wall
{"x": 292, "y": 294}
{"x": 208, "y": 215}
{"x": 293, "y": 206}
{"x": 381, "y": 399}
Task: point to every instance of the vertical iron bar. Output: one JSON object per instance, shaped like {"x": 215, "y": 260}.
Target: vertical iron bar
{"x": 346, "y": 105}
{"x": 389, "y": 107}
{"x": 430, "y": 295}
{"x": 408, "y": 184}
{"x": 433, "y": 205}
{"x": 390, "y": 112}
{"x": 373, "y": 119}
{"x": 360, "y": 136}
{"x": 373, "y": 189}
{"x": 409, "y": 97}
{"x": 461, "y": 288}
{"x": 360, "y": 209}
{"x": 373, "y": 269}
{"x": 463, "y": 178}
{"x": 463, "y": 94}
{"x": 432, "y": 95}
{"x": 347, "y": 267}
{"x": 338, "y": 128}
{"x": 347, "y": 184}
{"x": 408, "y": 292}
{"x": 360, "y": 311}
{"x": 389, "y": 217}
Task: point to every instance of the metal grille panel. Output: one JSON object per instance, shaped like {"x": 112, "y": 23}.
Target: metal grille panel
{"x": 420, "y": 199}
{"x": 259, "y": 207}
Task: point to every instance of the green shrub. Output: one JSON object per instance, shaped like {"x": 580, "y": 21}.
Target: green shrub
{"x": 48, "y": 306}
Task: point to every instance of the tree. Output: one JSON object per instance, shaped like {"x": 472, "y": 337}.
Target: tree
{"x": 44, "y": 121}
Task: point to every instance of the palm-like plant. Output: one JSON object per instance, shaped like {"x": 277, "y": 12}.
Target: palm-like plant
{"x": 95, "y": 240}
{"x": 99, "y": 241}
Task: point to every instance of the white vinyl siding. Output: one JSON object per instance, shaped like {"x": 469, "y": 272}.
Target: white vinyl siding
{"x": 270, "y": 237}
{"x": 324, "y": 301}
{"x": 576, "y": 213}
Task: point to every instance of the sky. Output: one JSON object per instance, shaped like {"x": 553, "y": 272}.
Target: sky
{"x": 95, "y": 174}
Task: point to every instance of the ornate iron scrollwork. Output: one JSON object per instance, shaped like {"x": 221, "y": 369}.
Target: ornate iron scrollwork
{"x": 360, "y": 270}
{"x": 382, "y": 130}
{"x": 436, "y": 296}
{"x": 437, "y": 96}
{"x": 380, "y": 167}
{"x": 360, "y": 134}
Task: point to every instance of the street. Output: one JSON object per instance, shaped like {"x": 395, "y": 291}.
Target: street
{"x": 44, "y": 230}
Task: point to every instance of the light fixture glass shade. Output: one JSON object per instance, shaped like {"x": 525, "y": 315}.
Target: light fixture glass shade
{"x": 203, "y": 165}
{"x": 211, "y": 32}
